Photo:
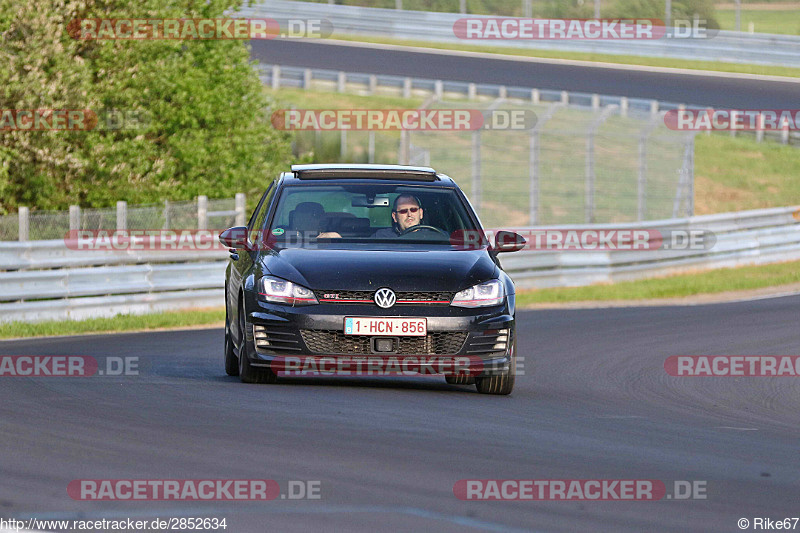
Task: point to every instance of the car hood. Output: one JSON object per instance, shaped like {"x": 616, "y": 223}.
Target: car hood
{"x": 401, "y": 270}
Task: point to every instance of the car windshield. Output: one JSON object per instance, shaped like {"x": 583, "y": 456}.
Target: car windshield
{"x": 383, "y": 213}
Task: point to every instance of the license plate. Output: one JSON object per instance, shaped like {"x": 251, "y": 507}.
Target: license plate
{"x": 386, "y": 327}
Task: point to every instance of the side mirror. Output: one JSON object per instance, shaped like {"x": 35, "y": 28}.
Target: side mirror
{"x": 235, "y": 237}
{"x": 508, "y": 241}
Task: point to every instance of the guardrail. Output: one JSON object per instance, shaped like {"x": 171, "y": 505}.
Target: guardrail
{"x": 149, "y": 281}
{"x": 726, "y": 46}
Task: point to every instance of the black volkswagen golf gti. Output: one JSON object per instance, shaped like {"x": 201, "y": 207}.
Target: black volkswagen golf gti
{"x": 366, "y": 263}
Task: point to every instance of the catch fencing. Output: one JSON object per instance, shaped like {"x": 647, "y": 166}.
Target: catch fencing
{"x": 42, "y": 225}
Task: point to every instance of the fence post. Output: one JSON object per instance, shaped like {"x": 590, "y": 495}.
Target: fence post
{"x": 276, "y": 77}
{"x": 502, "y": 93}
{"x": 588, "y": 208}
{"x": 342, "y": 144}
{"x": 533, "y": 217}
{"x": 760, "y": 128}
{"x": 589, "y": 214}
{"x": 373, "y": 84}
{"x": 595, "y": 102}
{"x": 202, "y": 212}
{"x": 623, "y": 106}
{"x": 74, "y": 218}
{"x": 642, "y": 181}
{"x": 690, "y": 168}
{"x": 341, "y": 80}
{"x": 462, "y": 6}
{"x": 371, "y": 147}
{"x": 405, "y": 147}
{"x": 564, "y": 97}
{"x": 476, "y": 170}
{"x": 24, "y": 223}
{"x": 535, "y": 96}
{"x": 527, "y": 9}
{"x": 472, "y": 91}
{"x": 653, "y": 107}
{"x": 167, "y": 217}
{"x": 122, "y": 215}
{"x": 307, "y": 79}
{"x": 240, "y": 206}
{"x": 407, "y": 88}
{"x": 785, "y": 133}
{"x": 438, "y": 89}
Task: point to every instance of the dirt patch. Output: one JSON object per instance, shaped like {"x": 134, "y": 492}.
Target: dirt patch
{"x": 711, "y": 197}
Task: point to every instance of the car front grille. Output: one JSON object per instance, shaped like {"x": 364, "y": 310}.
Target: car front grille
{"x": 403, "y": 298}
{"x": 333, "y": 342}
{"x": 280, "y": 339}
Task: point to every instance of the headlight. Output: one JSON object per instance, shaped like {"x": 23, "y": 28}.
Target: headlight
{"x": 481, "y": 295}
{"x": 285, "y": 292}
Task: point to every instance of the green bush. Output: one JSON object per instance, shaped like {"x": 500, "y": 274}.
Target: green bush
{"x": 207, "y": 129}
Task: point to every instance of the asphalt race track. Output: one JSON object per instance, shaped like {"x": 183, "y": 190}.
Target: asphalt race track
{"x": 595, "y": 403}
{"x": 715, "y": 91}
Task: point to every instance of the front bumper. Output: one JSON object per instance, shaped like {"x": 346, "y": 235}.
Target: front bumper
{"x": 484, "y": 336}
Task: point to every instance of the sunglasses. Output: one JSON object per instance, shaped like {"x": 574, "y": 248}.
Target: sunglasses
{"x": 407, "y": 209}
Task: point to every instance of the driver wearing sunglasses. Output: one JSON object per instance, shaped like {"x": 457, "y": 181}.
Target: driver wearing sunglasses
{"x": 406, "y": 213}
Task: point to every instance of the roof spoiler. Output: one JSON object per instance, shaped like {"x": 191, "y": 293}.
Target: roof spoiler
{"x": 379, "y": 172}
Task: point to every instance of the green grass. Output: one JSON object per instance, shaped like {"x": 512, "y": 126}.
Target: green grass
{"x": 708, "y": 282}
{"x": 764, "y": 70}
{"x": 767, "y": 21}
{"x": 734, "y": 174}
{"x": 117, "y": 324}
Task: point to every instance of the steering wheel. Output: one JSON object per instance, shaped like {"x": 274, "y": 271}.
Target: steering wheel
{"x": 412, "y": 229}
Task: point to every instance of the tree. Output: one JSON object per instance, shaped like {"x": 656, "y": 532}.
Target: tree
{"x": 204, "y": 126}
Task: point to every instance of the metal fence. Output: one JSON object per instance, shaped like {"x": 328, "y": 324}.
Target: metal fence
{"x": 201, "y": 214}
{"x": 277, "y": 76}
{"x": 41, "y": 280}
{"x": 726, "y": 46}
{"x": 589, "y": 159}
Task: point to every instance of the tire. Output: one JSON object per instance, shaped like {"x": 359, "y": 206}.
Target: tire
{"x": 247, "y": 372}
{"x": 459, "y": 380}
{"x": 231, "y": 362}
{"x": 501, "y": 384}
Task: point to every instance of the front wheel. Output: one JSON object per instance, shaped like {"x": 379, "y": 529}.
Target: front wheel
{"x": 501, "y": 384}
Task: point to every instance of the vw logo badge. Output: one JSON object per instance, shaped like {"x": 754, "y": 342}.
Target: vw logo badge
{"x": 385, "y": 298}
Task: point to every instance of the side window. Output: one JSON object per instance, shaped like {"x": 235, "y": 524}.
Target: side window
{"x": 257, "y": 221}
